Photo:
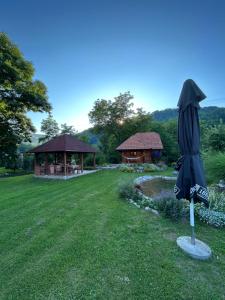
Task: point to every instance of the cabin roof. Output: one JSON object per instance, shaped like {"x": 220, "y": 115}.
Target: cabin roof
{"x": 64, "y": 143}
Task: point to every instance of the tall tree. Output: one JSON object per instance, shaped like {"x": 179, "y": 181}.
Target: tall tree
{"x": 50, "y": 128}
{"x": 213, "y": 137}
{"x": 115, "y": 121}
{"x": 19, "y": 93}
{"x": 68, "y": 129}
{"x": 110, "y": 114}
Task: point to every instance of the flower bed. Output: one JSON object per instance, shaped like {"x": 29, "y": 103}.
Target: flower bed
{"x": 140, "y": 168}
{"x": 215, "y": 214}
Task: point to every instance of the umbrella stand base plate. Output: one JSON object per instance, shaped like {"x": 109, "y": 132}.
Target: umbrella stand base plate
{"x": 198, "y": 251}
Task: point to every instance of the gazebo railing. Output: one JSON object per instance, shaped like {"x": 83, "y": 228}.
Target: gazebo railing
{"x": 57, "y": 170}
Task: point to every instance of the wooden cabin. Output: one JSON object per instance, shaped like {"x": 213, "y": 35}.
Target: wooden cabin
{"x": 142, "y": 147}
{"x": 57, "y": 157}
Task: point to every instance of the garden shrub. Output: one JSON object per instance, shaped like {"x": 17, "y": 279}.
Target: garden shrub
{"x": 215, "y": 214}
{"x": 162, "y": 165}
{"x": 216, "y": 200}
{"x": 211, "y": 217}
{"x": 130, "y": 168}
{"x": 28, "y": 163}
{"x": 89, "y": 159}
{"x": 128, "y": 191}
{"x": 215, "y": 166}
{"x": 173, "y": 164}
{"x": 126, "y": 168}
{"x": 170, "y": 207}
{"x": 147, "y": 202}
{"x": 151, "y": 168}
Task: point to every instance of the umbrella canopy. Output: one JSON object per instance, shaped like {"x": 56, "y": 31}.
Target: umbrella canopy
{"x": 191, "y": 180}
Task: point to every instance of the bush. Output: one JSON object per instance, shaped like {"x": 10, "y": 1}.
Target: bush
{"x": 128, "y": 191}
{"x": 162, "y": 166}
{"x": 215, "y": 214}
{"x": 173, "y": 164}
{"x": 151, "y": 168}
{"x": 171, "y": 207}
{"x": 212, "y": 217}
{"x": 126, "y": 168}
{"x": 216, "y": 200}
{"x": 129, "y": 168}
{"x": 28, "y": 163}
{"x": 89, "y": 159}
{"x": 215, "y": 166}
{"x": 147, "y": 202}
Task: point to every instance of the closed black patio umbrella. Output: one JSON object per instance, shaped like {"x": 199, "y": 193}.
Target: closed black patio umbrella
{"x": 190, "y": 183}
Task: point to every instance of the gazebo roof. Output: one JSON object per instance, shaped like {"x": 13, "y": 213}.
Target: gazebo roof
{"x": 142, "y": 141}
{"x": 64, "y": 143}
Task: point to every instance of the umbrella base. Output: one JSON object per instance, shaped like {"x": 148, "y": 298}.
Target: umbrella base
{"x": 198, "y": 251}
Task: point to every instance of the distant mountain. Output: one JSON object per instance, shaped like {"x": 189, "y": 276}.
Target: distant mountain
{"x": 92, "y": 138}
{"x": 35, "y": 138}
{"x": 210, "y": 114}
{"x": 165, "y": 115}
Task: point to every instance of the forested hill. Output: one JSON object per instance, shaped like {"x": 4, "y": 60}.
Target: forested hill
{"x": 210, "y": 114}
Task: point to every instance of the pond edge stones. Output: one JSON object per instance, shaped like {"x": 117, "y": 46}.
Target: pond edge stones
{"x": 140, "y": 180}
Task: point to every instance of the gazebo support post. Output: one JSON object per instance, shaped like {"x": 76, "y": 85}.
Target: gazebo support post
{"x": 94, "y": 160}
{"x": 35, "y": 164}
{"x": 82, "y": 161}
{"x": 46, "y": 163}
{"x": 65, "y": 164}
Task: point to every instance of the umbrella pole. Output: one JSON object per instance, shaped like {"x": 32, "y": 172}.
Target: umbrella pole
{"x": 192, "y": 222}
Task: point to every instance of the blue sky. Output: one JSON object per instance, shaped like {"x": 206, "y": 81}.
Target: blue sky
{"x": 89, "y": 49}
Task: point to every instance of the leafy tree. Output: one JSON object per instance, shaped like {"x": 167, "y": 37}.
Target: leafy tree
{"x": 108, "y": 117}
{"x": 67, "y": 129}
{"x": 214, "y": 163}
{"x": 111, "y": 114}
{"x": 167, "y": 132}
{"x": 169, "y": 137}
{"x": 50, "y": 128}
{"x": 115, "y": 121}
{"x": 84, "y": 138}
{"x": 214, "y": 137}
{"x": 19, "y": 93}
{"x": 140, "y": 121}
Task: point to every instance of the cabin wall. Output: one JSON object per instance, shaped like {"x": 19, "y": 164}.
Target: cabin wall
{"x": 147, "y": 156}
{"x": 143, "y": 156}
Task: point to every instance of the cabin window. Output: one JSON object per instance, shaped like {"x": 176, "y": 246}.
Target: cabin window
{"x": 133, "y": 153}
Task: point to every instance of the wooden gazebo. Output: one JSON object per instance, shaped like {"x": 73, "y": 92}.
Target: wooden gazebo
{"x": 57, "y": 156}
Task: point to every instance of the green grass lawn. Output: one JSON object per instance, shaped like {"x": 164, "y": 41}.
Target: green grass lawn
{"x": 76, "y": 239}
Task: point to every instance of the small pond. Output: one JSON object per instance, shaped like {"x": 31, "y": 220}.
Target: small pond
{"x": 154, "y": 187}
